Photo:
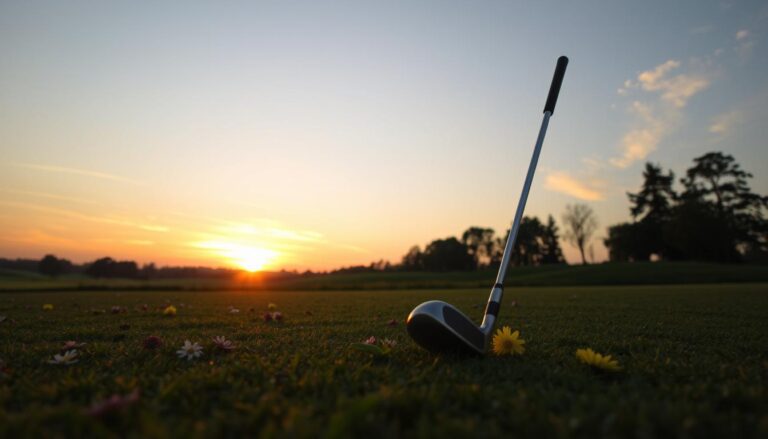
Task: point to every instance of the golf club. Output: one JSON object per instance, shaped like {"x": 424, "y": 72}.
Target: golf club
{"x": 438, "y": 326}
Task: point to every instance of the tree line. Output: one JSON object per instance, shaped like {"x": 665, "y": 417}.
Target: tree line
{"x": 107, "y": 267}
{"x": 714, "y": 216}
{"x": 479, "y": 248}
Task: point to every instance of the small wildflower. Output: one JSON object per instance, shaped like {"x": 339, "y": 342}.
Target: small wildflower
{"x": 190, "y": 350}
{"x": 598, "y": 361}
{"x": 170, "y": 311}
{"x": 388, "y": 344}
{"x": 152, "y": 342}
{"x": 67, "y": 358}
{"x": 267, "y": 317}
{"x": 370, "y": 340}
{"x": 116, "y": 310}
{"x": 277, "y": 316}
{"x": 144, "y": 307}
{"x": 70, "y": 345}
{"x": 113, "y": 403}
{"x": 48, "y": 307}
{"x": 392, "y": 322}
{"x": 272, "y": 307}
{"x": 222, "y": 344}
{"x": 234, "y": 311}
{"x": 506, "y": 342}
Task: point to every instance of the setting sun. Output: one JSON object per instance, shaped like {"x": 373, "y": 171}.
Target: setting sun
{"x": 243, "y": 256}
{"x": 251, "y": 259}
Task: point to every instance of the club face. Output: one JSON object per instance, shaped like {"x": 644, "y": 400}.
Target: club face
{"x": 439, "y": 327}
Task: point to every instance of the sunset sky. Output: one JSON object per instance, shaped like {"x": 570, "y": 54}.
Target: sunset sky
{"x": 319, "y": 134}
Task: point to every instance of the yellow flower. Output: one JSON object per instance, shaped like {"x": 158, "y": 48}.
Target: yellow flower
{"x": 47, "y": 307}
{"x": 170, "y": 311}
{"x": 592, "y": 358}
{"x": 272, "y": 306}
{"x": 506, "y": 342}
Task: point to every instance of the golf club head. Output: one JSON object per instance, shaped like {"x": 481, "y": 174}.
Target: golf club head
{"x": 439, "y": 327}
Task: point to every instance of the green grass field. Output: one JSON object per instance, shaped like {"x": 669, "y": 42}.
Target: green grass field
{"x": 695, "y": 361}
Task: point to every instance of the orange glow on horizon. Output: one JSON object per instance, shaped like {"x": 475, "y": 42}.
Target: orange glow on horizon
{"x": 249, "y": 258}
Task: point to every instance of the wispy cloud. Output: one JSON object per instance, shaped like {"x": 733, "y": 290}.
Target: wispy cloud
{"x": 563, "y": 182}
{"x": 663, "y": 94}
{"x": 83, "y": 217}
{"x": 724, "y": 122}
{"x": 74, "y": 171}
{"x": 744, "y": 44}
{"x": 50, "y": 196}
{"x": 674, "y": 89}
{"x": 643, "y": 138}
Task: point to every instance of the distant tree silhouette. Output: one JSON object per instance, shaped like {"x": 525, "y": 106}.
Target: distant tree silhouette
{"x": 580, "y": 225}
{"x": 529, "y": 243}
{"x": 413, "y": 260}
{"x": 551, "y": 253}
{"x": 717, "y": 179}
{"x": 480, "y": 243}
{"x": 447, "y": 255}
{"x": 109, "y": 268}
{"x": 52, "y": 266}
{"x": 717, "y": 217}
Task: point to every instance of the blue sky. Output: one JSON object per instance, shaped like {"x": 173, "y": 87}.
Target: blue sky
{"x": 364, "y": 127}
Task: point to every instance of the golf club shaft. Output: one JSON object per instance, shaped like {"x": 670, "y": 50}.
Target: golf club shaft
{"x": 498, "y": 289}
{"x": 494, "y": 301}
{"x": 523, "y": 199}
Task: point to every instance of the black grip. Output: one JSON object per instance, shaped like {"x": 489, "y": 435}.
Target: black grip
{"x": 557, "y": 81}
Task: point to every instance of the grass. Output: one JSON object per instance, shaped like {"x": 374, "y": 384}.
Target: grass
{"x": 548, "y": 275}
{"x": 694, "y": 357}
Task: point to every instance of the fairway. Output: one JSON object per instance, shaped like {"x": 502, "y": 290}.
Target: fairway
{"x": 694, "y": 358}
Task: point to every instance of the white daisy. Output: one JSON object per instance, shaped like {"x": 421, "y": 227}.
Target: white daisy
{"x": 67, "y": 358}
{"x": 190, "y": 350}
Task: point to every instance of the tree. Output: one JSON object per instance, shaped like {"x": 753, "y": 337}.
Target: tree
{"x": 652, "y": 208}
{"x": 108, "y": 267}
{"x": 551, "y": 253}
{"x": 480, "y": 244}
{"x": 447, "y": 255}
{"x": 413, "y": 260}
{"x": 655, "y": 199}
{"x": 52, "y": 266}
{"x": 528, "y": 245}
{"x": 717, "y": 179}
{"x": 627, "y": 242}
{"x": 580, "y": 225}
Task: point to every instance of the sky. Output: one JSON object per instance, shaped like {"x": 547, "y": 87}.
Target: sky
{"x": 313, "y": 135}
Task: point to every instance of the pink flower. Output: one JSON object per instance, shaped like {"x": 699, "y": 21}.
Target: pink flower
{"x": 116, "y": 310}
{"x": 222, "y": 344}
{"x": 71, "y": 344}
{"x": 152, "y": 342}
{"x": 267, "y": 317}
{"x": 113, "y": 403}
{"x": 278, "y": 316}
{"x": 370, "y": 340}
{"x": 144, "y": 307}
